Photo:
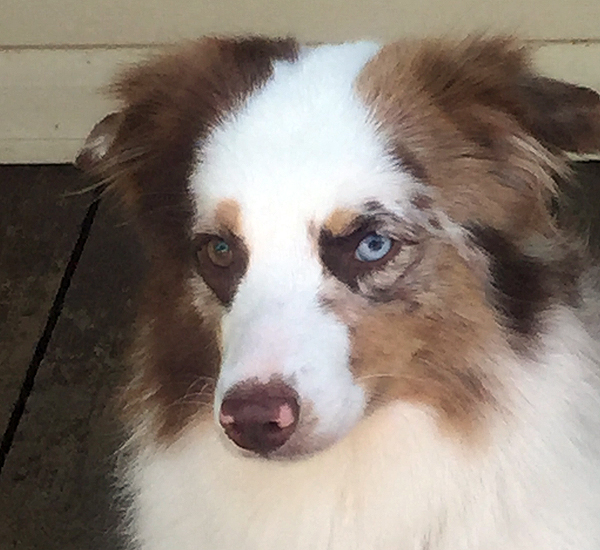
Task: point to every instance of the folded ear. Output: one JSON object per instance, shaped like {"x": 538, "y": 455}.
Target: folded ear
{"x": 561, "y": 115}
{"x": 98, "y": 143}
{"x": 496, "y": 73}
{"x": 101, "y": 159}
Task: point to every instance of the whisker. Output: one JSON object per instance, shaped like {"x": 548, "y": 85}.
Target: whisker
{"x": 381, "y": 375}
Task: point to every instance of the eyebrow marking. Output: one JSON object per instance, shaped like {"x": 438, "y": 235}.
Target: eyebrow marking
{"x": 421, "y": 202}
{"x": 340, "y": 220}
{"x": 373, "y": 205}
{"x": 228, "y": 216}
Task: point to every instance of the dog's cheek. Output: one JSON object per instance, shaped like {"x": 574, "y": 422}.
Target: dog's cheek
{"x": 176, "y": 359}
{"x": 429, "y": 350}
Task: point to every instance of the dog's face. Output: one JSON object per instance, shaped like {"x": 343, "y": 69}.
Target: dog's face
{"x": 335, "y": 228}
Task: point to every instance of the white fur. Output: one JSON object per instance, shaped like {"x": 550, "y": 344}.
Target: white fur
{"x": 395, "y": 482}
{"x": 301, "y": 146}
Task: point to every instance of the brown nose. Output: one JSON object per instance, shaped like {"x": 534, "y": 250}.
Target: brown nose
{"x": 260, "y": 417}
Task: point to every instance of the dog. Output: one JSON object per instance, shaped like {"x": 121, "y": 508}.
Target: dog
{"x": 362, "y": 327}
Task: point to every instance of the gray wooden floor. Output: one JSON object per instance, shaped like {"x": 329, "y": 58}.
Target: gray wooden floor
{"x": 56, "y": 481}
{"x": 55, "y": 485}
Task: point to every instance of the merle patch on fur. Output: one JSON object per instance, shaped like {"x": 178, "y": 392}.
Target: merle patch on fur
{"x": 524, "y": 286}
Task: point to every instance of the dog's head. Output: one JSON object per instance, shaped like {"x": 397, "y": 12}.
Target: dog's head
{"x": 336, "y": 228}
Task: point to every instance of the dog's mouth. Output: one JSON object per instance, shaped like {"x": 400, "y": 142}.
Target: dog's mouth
{"x": 298, "y": 447}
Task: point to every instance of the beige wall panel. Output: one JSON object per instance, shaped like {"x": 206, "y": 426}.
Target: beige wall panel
{"x": 42, "y": 22}
{"x": 49, "y": 99}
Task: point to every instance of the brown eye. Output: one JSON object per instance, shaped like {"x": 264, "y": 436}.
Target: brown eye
{"x": 219, "y": 252}
{"x": 221, "y": 261}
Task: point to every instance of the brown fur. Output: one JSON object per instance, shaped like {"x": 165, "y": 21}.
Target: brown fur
{"x": 176, "y": 359}
{"x": 461, "y": 111}
{"x": 562, "y": 115}
{"x": 169, "y": 105}
{"x": 337, "y": 250}
{"x": 425, "y": 346}
{"x": 222, "y": 279}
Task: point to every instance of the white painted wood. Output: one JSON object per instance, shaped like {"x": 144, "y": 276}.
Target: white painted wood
{"x": 127, "y": 22}
{"x": 577, "y": 63}
{"x": 50, "y": 98}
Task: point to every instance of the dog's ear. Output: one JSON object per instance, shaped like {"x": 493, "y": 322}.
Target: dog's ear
{"x": 497, "y": 73}
{"x": 561, "y": 115}
{"x": 94, "y": 152}
{"x": 101, "y": 158}
{"x": 489, "y": 132}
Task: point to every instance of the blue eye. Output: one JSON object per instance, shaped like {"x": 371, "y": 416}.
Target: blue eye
{"x": 373, "y": 247}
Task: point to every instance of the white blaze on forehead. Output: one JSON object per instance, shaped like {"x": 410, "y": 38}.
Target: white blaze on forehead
{"x": 300, "y": 147}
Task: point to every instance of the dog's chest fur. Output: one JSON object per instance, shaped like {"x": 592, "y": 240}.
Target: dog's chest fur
{"x": 391, "y": 483}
